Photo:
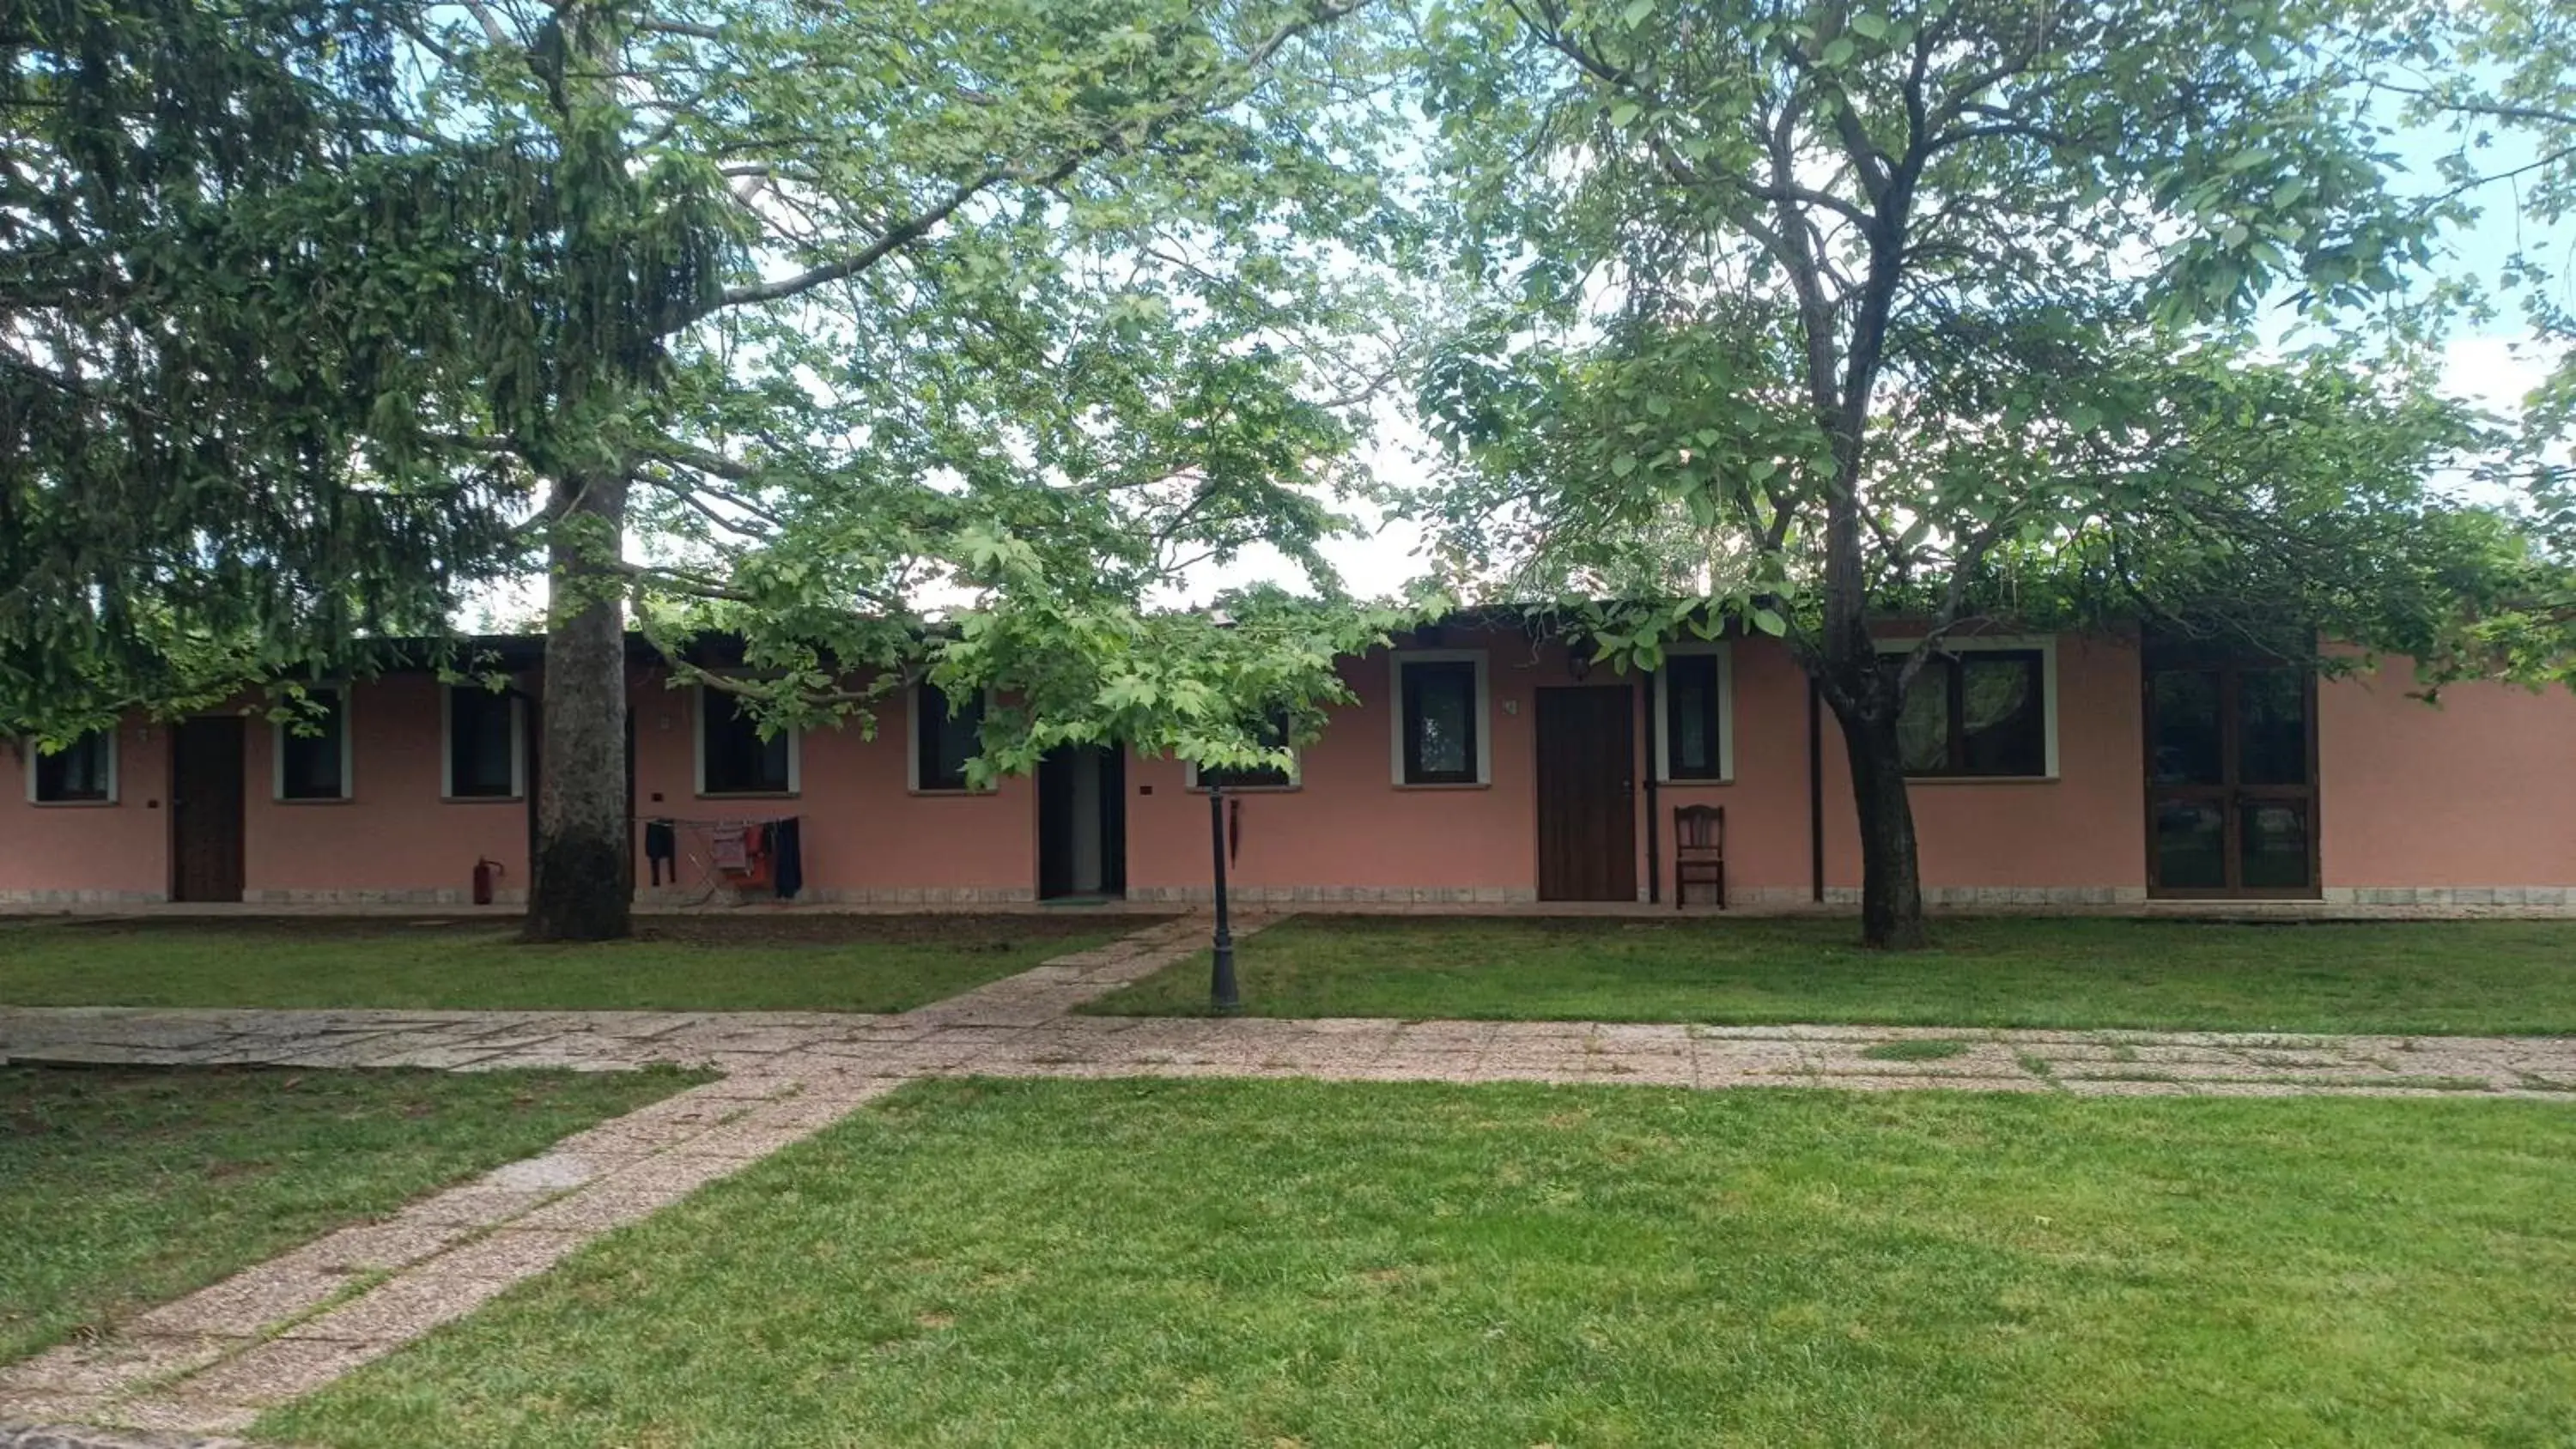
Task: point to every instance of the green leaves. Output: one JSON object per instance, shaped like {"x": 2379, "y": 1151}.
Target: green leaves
{"x": 231, "y": 365}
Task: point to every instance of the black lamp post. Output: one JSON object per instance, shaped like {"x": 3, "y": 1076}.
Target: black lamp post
{"x": 1222, "y": 994}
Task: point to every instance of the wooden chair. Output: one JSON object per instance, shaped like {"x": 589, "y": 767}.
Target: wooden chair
{"x": 1699, "y": 850}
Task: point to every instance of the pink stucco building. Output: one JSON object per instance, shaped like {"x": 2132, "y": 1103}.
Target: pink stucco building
{"x": 1475, "y": 766}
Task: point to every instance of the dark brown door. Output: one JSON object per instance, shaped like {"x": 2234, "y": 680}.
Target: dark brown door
{"x": 206, "y": 811}
{"x": 2231, "y": 778}
{"x": 1587, "y": 818}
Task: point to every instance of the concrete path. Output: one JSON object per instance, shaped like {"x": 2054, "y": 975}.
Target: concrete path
{"x": 209, "y": 1363}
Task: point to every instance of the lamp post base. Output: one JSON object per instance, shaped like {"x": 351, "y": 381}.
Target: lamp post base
{"x": 1223, "y": 997}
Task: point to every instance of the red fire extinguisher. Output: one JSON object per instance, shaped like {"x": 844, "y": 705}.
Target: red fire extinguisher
{"x": 486, "y": 871}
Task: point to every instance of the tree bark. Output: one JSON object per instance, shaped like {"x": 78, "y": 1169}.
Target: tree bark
{"x": 582, "y": 886}
{"x": 1891, "y": 886}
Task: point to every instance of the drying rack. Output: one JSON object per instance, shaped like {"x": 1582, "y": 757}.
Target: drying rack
{"x": 693, "y": 875}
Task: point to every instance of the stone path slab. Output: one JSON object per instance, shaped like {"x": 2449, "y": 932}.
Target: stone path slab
{"x": 1020, "y": 1027}
{"x": 209, "y": 1363}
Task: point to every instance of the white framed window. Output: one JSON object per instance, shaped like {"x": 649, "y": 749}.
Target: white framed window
{"x": 1695, "y": 714}
{"x": 483, "y": 736}
{"x": 313, "y": 759}
{"x": 1443, "y": 733}
{"x": 80, "y": 773}
{"x": 1274, "y": 733}
{"x": 943, "y": 734}
{"x": 1982, "y": 708}
{"x": 732, "y": 757}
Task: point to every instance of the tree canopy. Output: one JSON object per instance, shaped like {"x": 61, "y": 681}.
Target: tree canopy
{"x": 954, "y": 341}
{"x": 1833, "y": 307}
{"x": 227, "y": 306}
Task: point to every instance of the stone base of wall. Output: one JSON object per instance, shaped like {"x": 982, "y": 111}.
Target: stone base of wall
{"x": 2454, "y": 897}
{"x": 2344, "y": 902}
{"x": 1336, "y": 895}
{"x": 928, "y": 897}
{"x": 2006, "y": 897}
{"x": 2366, "y": 902}
{"x": 427, "y": 896}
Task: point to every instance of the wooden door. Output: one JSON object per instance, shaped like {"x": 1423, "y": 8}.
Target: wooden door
{"x": 1587, "y": 815}
{"x": 2231, "y": 773}
{"x": 206, "y": 810}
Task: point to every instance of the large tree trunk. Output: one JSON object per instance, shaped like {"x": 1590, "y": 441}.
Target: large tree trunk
{"x": 581, "y": 889}
{"x": 1891, "y": 885}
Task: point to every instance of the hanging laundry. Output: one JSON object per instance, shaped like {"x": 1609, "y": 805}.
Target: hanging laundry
{"x": 790, "y": 872}
{"x": 731, "y": 847}
{"x": 662, "y": 848}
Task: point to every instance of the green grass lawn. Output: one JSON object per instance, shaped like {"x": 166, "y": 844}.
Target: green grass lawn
{"x": 121, "y": 1189}
{"x": 721, "y": 963}
{"x": 1286, "y": 1263}
{"x": 2397, "y": 976}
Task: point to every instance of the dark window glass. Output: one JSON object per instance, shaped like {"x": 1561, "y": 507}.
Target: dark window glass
{"x": 2191, "y": 845}
{"x": 2186, "y": 743}
{"x": 309, "y": 755}
{"x": 2003, "y": 722}
{"x": 951, "y": 734}
{"x": 1272, "y": 731}
{"x": 76, "y": 773}
{"x": 1982, "y": 713}
{"x": 1440, "y": 722}
{"x": 2272, "y": 836}
{"x": 481, "y": 744}
{"x": 2271, "y": 727}
{"x": 1691, "y": 720}
{"x": 737, "y": 761}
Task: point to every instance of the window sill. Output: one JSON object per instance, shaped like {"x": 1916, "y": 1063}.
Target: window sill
{"x": 310, "y": 800}
{"x": 1981, "y": 779}
{"x": 749, "y": 794}
{"x": 1447, "y": 785}
{"x": 520, "y": 799}
{"x": 1694, "y": 782}
{"x": 918, "y": 793}
{"x": 73, "y": 804}
{"x": 1252, "y": 789}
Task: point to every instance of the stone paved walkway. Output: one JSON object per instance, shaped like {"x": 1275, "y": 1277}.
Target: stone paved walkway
{"x": 209, "y": 1363}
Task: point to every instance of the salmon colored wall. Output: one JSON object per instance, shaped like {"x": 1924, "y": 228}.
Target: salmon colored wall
{"x": 2084, "y": 829}
{"x": 2479, "y": 791}
{"x": 105, "y": 851}
{"x": 1348, "y": 824}
{"x": 1766, "y": 804}
{"x": 862, "y": 828}
{"x": 393, "y": 833}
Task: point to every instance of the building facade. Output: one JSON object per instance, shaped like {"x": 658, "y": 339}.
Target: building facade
{"x": 1475, "y": 766}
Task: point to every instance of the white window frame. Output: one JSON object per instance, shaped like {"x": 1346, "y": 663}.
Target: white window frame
{"x": 2046, "y": 647}
{"x": 1724, "y": 653}
{"x": 1396, "y": 661}
{"x": 277, "y": 732}
{"x": 698, "y": 756}
{"x": 113, "y": 748}
{"x": 912, "y": 742}
{"x": 447, "y": 748}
